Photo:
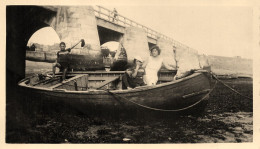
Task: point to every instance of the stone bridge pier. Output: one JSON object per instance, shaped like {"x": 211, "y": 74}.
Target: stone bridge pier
{"x": 133, "y": 43}
{"x": 167, "y": 52}
{"x": 74, "y": 23}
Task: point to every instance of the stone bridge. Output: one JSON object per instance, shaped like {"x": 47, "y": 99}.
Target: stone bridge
{"x": 95, "y": 24}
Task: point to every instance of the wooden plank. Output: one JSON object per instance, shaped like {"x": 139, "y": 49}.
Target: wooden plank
{"x": 95, "y": 72}
{"x": 98, "y": 78}
{"x": 77, "y": 84}
{"x": 165, "y": 78}
{"x": 107, "y": 81}
{"x": 82, "y": 83}
{"x": 45, "y": 81}
{"x": 119, "y": 85}
{"x": 67, "y": 81}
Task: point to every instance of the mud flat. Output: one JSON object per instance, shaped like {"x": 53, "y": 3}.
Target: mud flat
{"x": 228, "y": 118}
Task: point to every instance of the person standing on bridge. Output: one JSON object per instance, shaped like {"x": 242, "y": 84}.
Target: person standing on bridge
{"x": 62, "y": 60}
{"x": 114, "y": 14}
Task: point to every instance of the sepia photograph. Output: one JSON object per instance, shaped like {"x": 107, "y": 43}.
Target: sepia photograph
{"x": 129, "y": 73}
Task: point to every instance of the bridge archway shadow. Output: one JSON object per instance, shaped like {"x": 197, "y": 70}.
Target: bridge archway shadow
{"x": 150, "y": 45}
{"x": 106, "y": 35}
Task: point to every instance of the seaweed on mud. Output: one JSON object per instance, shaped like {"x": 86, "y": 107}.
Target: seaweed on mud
{"x": 228, "y": 118}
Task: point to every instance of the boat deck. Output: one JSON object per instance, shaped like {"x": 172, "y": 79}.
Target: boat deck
{"x": 84, "y": 80}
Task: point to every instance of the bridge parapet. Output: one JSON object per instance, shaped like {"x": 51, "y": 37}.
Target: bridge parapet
{"x": 108, "y": 15}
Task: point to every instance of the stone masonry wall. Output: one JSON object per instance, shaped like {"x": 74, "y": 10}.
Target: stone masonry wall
{"x": 73, "y": 24}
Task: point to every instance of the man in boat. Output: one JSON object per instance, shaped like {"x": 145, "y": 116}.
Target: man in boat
{"x": 62, "y": 60}
{"x": 132, "y": 78}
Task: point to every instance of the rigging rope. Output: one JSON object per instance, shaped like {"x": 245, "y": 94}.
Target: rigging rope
{"x": 229, "y": 86}
{"x": 176, "y": 110}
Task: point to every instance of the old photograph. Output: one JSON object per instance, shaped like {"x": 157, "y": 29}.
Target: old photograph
{"x": 129, "y": 74}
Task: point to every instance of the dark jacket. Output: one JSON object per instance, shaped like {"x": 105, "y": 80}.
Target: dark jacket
{"x": 129, "y": 81}
{"x": 63, "y": 59}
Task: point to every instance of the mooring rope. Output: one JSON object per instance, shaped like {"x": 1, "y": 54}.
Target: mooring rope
{"x": 164, "y": 110}
{"x": 229, "y": 86}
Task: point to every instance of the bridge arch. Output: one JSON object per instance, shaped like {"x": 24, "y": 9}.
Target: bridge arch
{"x": 22, "y": 22}
{"x": 106, "y": 35}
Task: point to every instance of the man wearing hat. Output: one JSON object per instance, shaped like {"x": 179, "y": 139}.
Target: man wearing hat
{"x": 132, "y": 78}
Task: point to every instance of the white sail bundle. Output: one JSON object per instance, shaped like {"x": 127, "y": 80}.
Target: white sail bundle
{"x": 204, "y": 62}
{"x": 187, "y": 60}
{"x": 167, "y": 53}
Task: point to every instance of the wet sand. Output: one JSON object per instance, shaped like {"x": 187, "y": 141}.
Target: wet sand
{"x": 227, "y": 118}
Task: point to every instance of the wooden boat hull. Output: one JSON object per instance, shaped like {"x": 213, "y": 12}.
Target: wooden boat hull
{"x": 173, "y": 95}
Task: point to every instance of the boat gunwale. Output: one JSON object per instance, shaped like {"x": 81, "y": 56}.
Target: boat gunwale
{"x": 93, "y": 92}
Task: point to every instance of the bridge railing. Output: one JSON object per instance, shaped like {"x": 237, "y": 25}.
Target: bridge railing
{"x": 108, "y": 15}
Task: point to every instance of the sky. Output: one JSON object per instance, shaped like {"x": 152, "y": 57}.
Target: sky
{"x": 46, "y": 36}
{"x": 211, "y": 30}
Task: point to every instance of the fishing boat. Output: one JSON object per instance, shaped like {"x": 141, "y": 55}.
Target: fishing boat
{"x": 101, "y": 91}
